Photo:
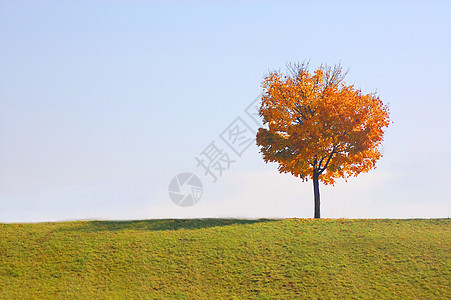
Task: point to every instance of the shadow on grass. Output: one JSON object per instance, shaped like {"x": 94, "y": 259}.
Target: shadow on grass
{"x": 158, "y": 224}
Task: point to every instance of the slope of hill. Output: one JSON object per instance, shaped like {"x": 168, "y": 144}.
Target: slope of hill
{"x": 222, "y": 258}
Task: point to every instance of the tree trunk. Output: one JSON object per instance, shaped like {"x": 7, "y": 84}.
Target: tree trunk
{"x": 316, "y": 193}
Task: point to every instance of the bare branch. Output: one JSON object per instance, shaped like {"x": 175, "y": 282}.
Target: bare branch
{"x": 321, "y": 170}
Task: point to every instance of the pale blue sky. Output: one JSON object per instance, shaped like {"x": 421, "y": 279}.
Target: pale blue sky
{"x": 102, "y": 103}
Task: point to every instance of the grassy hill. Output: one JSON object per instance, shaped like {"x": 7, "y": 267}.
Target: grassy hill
{"x": 231, "y": 259}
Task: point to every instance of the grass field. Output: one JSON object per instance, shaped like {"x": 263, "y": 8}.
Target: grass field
{"x": 230, "y": 259}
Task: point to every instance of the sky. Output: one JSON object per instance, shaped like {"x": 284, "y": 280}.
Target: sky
{"x": 104, "y": 103}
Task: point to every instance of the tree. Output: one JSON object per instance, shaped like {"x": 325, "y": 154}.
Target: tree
{"x": 319, "y": 128}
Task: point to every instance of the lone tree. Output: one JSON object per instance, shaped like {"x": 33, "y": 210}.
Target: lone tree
{"x": 319, "y": 127}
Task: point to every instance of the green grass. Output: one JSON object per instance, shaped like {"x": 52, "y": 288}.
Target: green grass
{"x": 230, "y": 259}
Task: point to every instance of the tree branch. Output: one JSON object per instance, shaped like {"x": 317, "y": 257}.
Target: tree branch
{"x": 321, "y": 170}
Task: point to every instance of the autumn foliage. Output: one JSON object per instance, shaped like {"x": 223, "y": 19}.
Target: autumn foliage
{"x": 319, "y": 127}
